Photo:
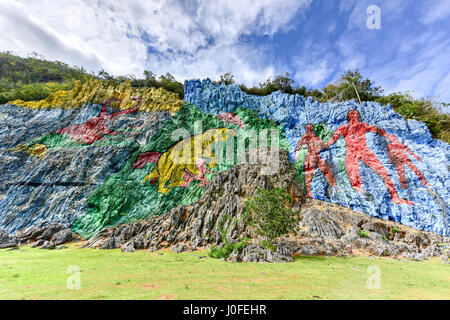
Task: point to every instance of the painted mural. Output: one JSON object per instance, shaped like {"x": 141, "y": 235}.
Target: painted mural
{"x": 130, "y": 167}
{"x": 185, "y": 161}
{"x": 358, "y": 159}
{"x": 86, "y": 133}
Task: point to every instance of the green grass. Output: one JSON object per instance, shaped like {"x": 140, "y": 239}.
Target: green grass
{"x": 111, "y": 274}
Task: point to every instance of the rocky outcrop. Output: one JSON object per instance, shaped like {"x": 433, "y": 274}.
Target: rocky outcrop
{"x": 66, "y": 160}
{"x": 324, "y": 229}
{"x": 201, "y": 224}
{"x": 327, "y": 229}
{"x": 97, "y": 91}
{"x": 47, "y": 237}
{"x": 431, "y": 209}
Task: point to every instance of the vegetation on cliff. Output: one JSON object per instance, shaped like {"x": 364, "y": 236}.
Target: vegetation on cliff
{"x": 35, "y": 78}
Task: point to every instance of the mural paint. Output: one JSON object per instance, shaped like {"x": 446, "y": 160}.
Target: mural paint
{"x": 97, "y": 91}
{"x": 185, "y": 161}
{"x": 354, "y": 134}
{"x": 312, "y": 159}
{"x": 396, "y": 151}
{"x": 159, "y": 176}
{"x": 85, "y": 133}
{"x": 109, "y": 168}
{"x": 364, "y": 171}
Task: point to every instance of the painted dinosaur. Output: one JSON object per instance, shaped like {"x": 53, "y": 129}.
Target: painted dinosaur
{"x": 183, "y": 156}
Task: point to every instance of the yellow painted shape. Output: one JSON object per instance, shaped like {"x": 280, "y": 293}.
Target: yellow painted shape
{"x": 172, "y": 163}
{"x": 36, "y": 150}
{"x": 97, "y": 91}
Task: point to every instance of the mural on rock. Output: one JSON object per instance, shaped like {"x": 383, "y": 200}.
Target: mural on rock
{"x": 366, "y": 166}
{"x": 185, "y": 161}
{"x": 312, "y": 159}
{"x": 85, "y": 133}
{"x": 396, "y": 151}
{"x": 354, "y": 133}
{"x": 68, "y": 159}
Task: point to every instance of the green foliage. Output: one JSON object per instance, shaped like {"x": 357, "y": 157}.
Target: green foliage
{"x": 284, "y": 84}
{"x": 269, "y": 213}
{"x": 423, "y": 110}
{"x": 349, "y": 86}
{"x": 226, "y": 79}
{"x": 35, "y": 78}
{"x": 363, "y": 234}
{"x": 395, "y": 230}
{"x": 227, "y": 248}
{"x": 167, "y": 82}
{"x": 268, "y": 245}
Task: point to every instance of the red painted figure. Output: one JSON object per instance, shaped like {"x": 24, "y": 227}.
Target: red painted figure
{"x": 146, "y": 157}
{"x": 354, "y": 133}
{"x": 188, "y": 176}
{"x": 396, "y": 151}
{"x": 94, "y": 129}
{"x": 231, "y": 118}
{"x": 313, "y": 159}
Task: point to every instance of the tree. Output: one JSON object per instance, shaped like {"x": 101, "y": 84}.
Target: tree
{"x": 351, "y": 85}
{"x": 226, "y": 79}
{"x": 270, "y": 213}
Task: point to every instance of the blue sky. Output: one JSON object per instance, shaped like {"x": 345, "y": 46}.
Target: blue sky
{"x": 314, "y": 40}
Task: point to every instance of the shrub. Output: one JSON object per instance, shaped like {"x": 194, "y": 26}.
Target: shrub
{"x": 227, "y": 248}
{"x": 364, "y": 234}
{"x": 270, "y": 213}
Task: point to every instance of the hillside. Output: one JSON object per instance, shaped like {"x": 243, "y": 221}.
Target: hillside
{"x": 99, "y": 158}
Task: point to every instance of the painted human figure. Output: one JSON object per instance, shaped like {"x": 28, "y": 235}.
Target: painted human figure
{"x": 312, "y": 158}
{"x": 94, "y": 129}
{"x": 396, "y": 151}
{"x": 354, "y": 133}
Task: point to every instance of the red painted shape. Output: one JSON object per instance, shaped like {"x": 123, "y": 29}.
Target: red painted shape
{"x": 231, "y": 118}
{"x": 94, "y": 129}
{"x": 188, "y": 176}
{"x": 354, "y": 133}
{"x": 396, "y": 151}
{"x": 146, "y": 157}
{"x": 313, "y": 159}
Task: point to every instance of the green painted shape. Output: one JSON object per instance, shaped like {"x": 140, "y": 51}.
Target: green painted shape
{"x": 54, "y": 140}
{"x": 124, "y": 198}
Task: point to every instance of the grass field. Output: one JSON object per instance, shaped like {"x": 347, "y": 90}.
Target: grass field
{"x": 111, "y": 274}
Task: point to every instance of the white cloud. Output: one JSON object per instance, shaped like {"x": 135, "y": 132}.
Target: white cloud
{"x": 315, "y": 71}
{"x": 421, "y": 67}
{"x": 187, "y": 38}
{"x": 438, "y": 10}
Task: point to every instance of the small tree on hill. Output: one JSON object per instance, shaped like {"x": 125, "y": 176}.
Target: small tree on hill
{"x": 269, "y": 212}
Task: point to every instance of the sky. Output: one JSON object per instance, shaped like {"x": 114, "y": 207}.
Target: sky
{"x": 314, "y": 40}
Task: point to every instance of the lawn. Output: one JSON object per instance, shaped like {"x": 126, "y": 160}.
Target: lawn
{"x": 111, "y": 274}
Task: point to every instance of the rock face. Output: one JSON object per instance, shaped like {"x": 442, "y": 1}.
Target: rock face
{"x": 327, "y": 229}
{"x": 55, "y": 188}
{"x": 201, "y": 223}
{"x": 358, "y": 154}
{"x": 68, "y": 160}
{"x": 324, "y": 229}
{"x": 46, "y": 237}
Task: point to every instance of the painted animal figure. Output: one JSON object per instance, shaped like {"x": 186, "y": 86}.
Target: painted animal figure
{"x": 184, "y": 155}
{"x": 94, "y": 129}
